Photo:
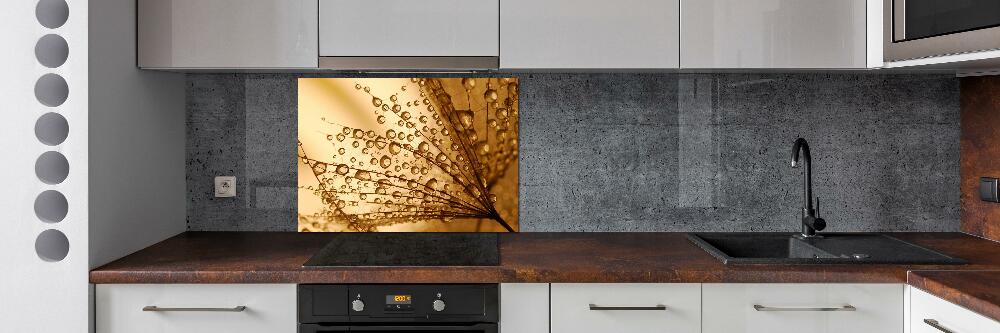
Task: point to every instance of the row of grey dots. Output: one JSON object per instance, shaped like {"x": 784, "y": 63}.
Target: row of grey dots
{"x": 51, "y": 129}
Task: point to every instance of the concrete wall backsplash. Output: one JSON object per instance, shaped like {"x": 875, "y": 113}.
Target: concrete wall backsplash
{"x": 639, "y": 152}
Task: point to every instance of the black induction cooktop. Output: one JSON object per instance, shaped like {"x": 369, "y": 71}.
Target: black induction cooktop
{"x": 408, "y": 249}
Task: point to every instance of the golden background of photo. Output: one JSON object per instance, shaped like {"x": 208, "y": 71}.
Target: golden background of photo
{"x": 407, "y": 154}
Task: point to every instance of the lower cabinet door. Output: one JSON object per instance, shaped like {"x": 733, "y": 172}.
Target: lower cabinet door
{"x": 201, "y": 308}
{"x": 625, "y": 307}
{"x": 802, "y": 308}
{"x": 930, "y": 314}
{"x": 524, "y": 308}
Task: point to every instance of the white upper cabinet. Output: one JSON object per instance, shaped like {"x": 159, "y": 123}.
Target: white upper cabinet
{"x": 408, "y": 28}
{"x": 509, "y": 34}
{"x": 227, "y": 33}
{"x": 777, "y": 34}
{"x": 589, "y": 34}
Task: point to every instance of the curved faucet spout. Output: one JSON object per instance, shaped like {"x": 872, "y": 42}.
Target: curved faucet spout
{"x": 800, "y": 145}
{"x": 807, "y": 188}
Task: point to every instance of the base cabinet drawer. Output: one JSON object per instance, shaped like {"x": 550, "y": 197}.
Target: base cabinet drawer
{"x": 930, "y": 314}
{"x": 187, "y": 308}
{"x": 802, "y": 308}
{"x": 625, "y": 307}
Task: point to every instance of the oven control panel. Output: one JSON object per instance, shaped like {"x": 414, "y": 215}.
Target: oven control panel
{"x": 398, "y": 303}
{"x": 364, "y": 303}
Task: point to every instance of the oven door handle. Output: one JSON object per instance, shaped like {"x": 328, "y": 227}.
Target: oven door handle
{"x": 485, "y": 328}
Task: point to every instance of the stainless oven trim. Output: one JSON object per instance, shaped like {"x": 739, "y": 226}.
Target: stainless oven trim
{"x": 958, "y": 43}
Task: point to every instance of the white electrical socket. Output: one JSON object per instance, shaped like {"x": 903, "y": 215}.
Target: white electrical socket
{"x": 225, "y": 187}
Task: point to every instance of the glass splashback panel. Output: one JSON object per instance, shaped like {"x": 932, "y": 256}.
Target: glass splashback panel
{"x": 407, "y": 154}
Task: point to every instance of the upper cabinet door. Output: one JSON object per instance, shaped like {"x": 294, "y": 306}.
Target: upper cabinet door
{"x": 227, "y": 34}
{"x": 773, "y": 34}
{"x": 409, "y": 28}
{"x": 589, "y": 34}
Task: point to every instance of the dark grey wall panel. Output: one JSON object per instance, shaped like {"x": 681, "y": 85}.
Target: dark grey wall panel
{"x": 640, "y": 152}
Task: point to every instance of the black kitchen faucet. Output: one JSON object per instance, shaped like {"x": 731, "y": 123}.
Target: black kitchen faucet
{"x": 810, "y": 221}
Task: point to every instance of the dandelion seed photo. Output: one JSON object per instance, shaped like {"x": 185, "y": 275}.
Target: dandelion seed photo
{"x": 408, "y": 155}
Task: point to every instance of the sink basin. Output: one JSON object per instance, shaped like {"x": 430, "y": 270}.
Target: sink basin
{"x": 835, "y": 248}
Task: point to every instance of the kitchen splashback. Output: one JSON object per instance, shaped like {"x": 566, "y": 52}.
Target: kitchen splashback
{"x": 407, "y": 154}
{"x": 639, "y": 152}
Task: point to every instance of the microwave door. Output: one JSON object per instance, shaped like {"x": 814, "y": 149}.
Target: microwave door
{"x": 916, "y": 29}
{"x": 916, "y": 19}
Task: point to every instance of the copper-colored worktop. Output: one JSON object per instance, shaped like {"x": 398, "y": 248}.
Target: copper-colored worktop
{"x": 978, "y": 291}
{"x": 276, "y": 257}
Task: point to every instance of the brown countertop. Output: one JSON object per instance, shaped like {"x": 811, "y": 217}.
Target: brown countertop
{"x": 277, "y": 257}
{"x": 974, "y": 290}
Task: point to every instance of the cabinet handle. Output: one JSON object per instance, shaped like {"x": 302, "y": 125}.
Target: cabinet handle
{"x": 154, "y": 308}
{"x": 595, "y": 307}
{"x": 935, "y": 324}
{"x": 848, "y": 307}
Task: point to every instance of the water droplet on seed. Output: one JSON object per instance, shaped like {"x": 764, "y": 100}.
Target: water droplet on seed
{"x": 465, "y": 117}
{"x": 469, "y": 83}
{"x": 343, "y": 169}
{"x": 490, "y": 95}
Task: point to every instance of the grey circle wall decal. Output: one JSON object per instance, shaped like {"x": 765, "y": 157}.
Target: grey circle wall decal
{"x": 52, "y": 245}
{"x": 51, "y": 206}
{"x": 52, "y": 167}
{"x": 51, "y": 90}
{"x": 51, "y": 129}
{"x": 51, "y": 50}
{"x": 52, "y": 13}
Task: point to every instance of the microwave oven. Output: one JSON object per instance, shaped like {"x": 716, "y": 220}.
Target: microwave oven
{"x": 915, "y": 29}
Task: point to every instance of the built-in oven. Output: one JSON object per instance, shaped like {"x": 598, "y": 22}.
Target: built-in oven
{"x": 916, "y": 29}
{"x": 389, "y": 308}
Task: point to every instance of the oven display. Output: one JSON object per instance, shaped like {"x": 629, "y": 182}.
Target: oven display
{"x": 398, "y": 303}
{"x": 398, "y": 299}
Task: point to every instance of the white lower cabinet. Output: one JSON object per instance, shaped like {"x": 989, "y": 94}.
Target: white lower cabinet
{"x": 524, "y": 308}
{"x": 569, "y": 308}
{"x": 201, "y": 308}
{"x": 625, "y": 307}
{"x": 802, "y": 308}
{"x": 930, "y": 314}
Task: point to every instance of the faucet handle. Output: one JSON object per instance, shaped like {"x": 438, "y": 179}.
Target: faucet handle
{"x": 817, "y": 206}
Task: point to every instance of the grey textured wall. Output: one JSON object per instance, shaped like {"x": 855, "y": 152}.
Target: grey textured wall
{"x": 640, "y": 152}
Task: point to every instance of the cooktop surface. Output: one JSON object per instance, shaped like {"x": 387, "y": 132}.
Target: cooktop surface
{"x": 408, "y": 249}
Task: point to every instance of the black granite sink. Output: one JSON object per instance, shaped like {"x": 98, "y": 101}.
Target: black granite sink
{"x": 833, "y": 248}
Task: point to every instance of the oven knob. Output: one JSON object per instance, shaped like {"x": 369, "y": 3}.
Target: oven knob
{"x": 358, "y": 305}
{"x": 438, "y": 305}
